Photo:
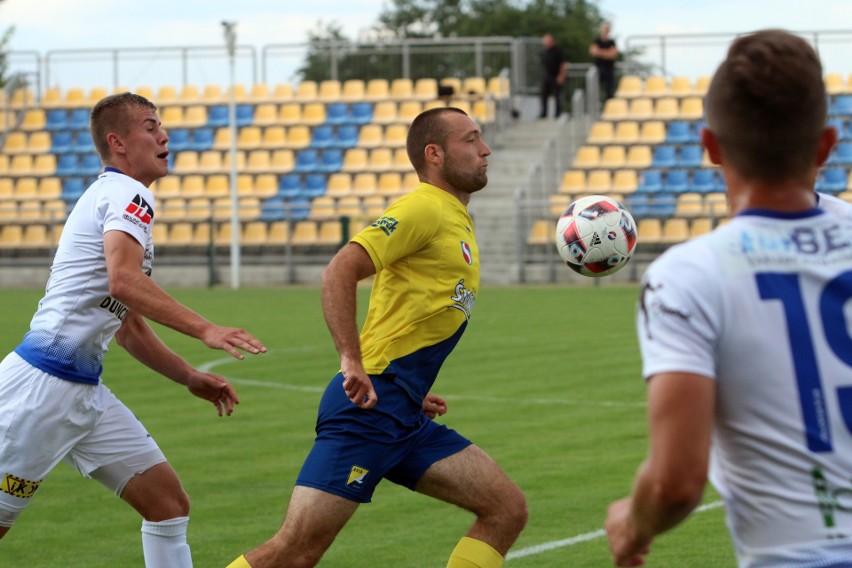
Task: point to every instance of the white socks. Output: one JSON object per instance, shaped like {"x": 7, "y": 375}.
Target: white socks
{"x": 164, "y": 544}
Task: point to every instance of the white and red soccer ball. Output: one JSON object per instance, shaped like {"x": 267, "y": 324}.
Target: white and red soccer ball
{"x": 596, "y": 236}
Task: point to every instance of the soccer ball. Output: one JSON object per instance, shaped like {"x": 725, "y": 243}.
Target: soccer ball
{"x": 596, "y": 236}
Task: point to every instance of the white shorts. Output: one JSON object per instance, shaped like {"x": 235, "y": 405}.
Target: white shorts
{"x": 44, "y": 419}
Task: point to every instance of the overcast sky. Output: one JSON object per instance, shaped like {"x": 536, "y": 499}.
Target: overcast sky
{"x": 43, "y": 26}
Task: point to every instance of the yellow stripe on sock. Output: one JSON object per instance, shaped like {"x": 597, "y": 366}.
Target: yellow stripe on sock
{"x": 472, "y": 553}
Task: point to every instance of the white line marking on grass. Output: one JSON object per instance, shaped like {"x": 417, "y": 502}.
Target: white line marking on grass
{"x": 580, "y": 538}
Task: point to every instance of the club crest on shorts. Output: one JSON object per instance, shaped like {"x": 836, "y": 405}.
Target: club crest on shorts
{"x": 466, "y": 254}
{"x": 357, "y": 475}
{"x": 18, "y": 487}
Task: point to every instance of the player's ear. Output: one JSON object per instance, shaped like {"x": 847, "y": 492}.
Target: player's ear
{"x": 827, "y": 141}
{"x": 115, "y": 143}
{"x": 711, "y": 144}
{"x": 434, "y": 153}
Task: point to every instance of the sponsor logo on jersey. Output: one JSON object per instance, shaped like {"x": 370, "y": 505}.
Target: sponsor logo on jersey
{"x": 463, "y": 299}
{"x": 139, "y": 212}
{"x": 114, "y": 307}
{"x": 357, "y": 475}
{"x": 386, "y": 224}
{"x": 466, "y": 254}
{"x": 649, "y": 306}
{"x": 18, "y": 487}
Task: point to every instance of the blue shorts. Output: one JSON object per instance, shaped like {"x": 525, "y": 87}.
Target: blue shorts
{"x": 355, "y": 448}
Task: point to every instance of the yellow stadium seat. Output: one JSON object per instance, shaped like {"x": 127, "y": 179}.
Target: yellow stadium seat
{"x": 22, "y": 98}
{"x": 49, "y": 188}
{"x": 210, "y": 162}
{"x": 166, "y": 94}
{"x": 408, "y": 110}
{"x": 587, "y": 157}
{"x": 601, "y": 132}
{"x": 389, "y": 183}
{"x": 160, "y": 233}
{"x": 655, "y": 86}
{"x": 681, "y": 87}
{"x": 195, "y": 116}
{"x": 255, "y": 233}
{"x": 171, "y": 116}
{"x": 282, "y": 92}
{"x": 306, "y": 91}
{"x": 173, "y": 209}
{"x": 426, "y": 89}
{"x": 145, "y": 91}
{"x": 401, "y": 163}
{"x": 289, "y": 114}
{"x": 298, "y": 137}
{"x": 265, "y": 114}
{"x": 222, "y": 211}
{"x": 323, "y": 207}
{"x": 36, "y": 236}
{"x": 484, "y": 111}
{"x": 189, "y": 95}
{"x": 354, "y": 160}
{"x": 245, "y": 185}
{"x": 641, "y": 108}
{"x": 44, "y": 164}
{"x": 666, "y": 109}
{"x": 11, "y": 236}
{"x": 689, "y": 204}
{"x": 258, "y": 161}
{"x": 95, "y": 95}
{"x": 653, "y": 132}
{"x": 625, "y": 181}
{"x": 305, "y": 233}
{"x": 364, "y": 183}
{"x": 75, "y": 97}
{"x": 558, "y": 203}
{"x": 329, "y": 90}
{"x": 26, "y": 188}
{"x": 629, "y": 86}
{"x": 599, "y": 181}
{"x": 573, "y": 181}
{"x": 701, "y": 85}
{"x": 452, "y": 82}
{"x": 349, "y": 206}
{"x": 7, "y": 188}
{"x": 186, "y": 162}
{"x": 834, "y": 83}
{"x": 717, "y": 204}
{"x": 371, "y": 136}
{"x": 16, "y": 143}
{"x": 626, "y": 132}
{"x": 52, "y": 98}
{"x": 34, "y": 119}
{"x": 54, "y": 210}
{"x": 265, "y": 185}
{"x": 21, "y": 165}
{"x": 278, "y": 233}
{"x": 353, "y": 90}
{"x": 330, "y": 233}
{"x": 38, "y": 142}
{"x": 692, "y": 108}
{"x": 639, "y": 156}
{"x": 198, "y": 208}
{"x": 282, "y": 161}
{"x": 385, "y": 112}
{"x": 249, "y": 138}
{"x": 180, "y": 234}
{"x": 474, "y": 86}
{"x": 462, "y": 104}
{"x": 338, "y": 184}
{"x": 541, "y": 233}
{"x": 700, "y": 226}
{"x": 402, "y": 89}
{"x": 650, "y": 230}
{"x": 274, "y": 137}
{"x": 615, "y": 109}
{"x": 613, "y": 157}
{"x": 374, "y": 205}
{"x": 377, "y": 90}
{"x": 259, "y": 93}
{"x": 499, "y": 87}
{"x": 167, "y": 187}
{"x": 313, "y": 113}
{"x": 396, "y": 135}
{"x": 213, "y": 95}
{"x": 192, "y": 186}
{"x": 217, "y": 185}
{"x": 29, "y": 210}
{"x": 675, "y": 230}
{"x": 410, "y": 180}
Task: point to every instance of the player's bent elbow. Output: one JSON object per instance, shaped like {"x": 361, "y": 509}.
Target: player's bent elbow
{"x": 682, "y": 493}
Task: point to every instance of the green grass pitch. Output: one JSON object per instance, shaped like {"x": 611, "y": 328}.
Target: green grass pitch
{"x": 546, "y": 379}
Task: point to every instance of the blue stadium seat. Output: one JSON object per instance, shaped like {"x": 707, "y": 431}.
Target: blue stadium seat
{"x": 67, "y": 165}
{"x": 362, "y": 113}
{"x": 331, "y": 161}
{"x": 691, "y": 156}
{"x": 217, "y": 116}
{"x": 314, "y": 185}
{"x": 832, "y": 180}
{"x": 677, "y": 181}
{"x": 840, "y": 126}
{"x": 306, "y": 161}
{"x": 337, "y": 113}
{"x": 663, "y": 206}
{"x": 289, "y": 186}
{"x": 61, "y": 142}
{"x": 57, "y": 119}
{"x": 841, "y": 106}
{"x": 90, "y": 165}
{"x": 72, "y": 189}
{"x": 842, "y": 154}
{"x": 244, "y": 114}
{"x": 179, "y": 139}
{"x": 272, "y": 209}
{"x": 83, "y": 143}
{"x": 322, "y": 137}
{"x": 78, "y": 119}
{"x": 297, "y": 208}
{"x": 704, "y": 180}
{"x": 202, "y": 139}
{"x": 651, "y": 181}
{"x": 665, "y": 156}
{"x": 346, "y": 136}
{"x": 679, "y": 132}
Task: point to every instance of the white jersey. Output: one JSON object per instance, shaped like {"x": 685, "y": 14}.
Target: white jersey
{"x": 834, "y": 204}
{"x": 77, "y": 318}
{"x": 763, "y": 305}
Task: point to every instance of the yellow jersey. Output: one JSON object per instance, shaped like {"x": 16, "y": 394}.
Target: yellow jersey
{"x": 427, "y": 278}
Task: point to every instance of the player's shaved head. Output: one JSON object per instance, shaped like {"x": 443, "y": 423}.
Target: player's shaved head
{"x": 111, "y": 114}
{"x": 429, "y": 127}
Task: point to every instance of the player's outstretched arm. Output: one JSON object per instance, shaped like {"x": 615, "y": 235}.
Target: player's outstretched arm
{"x": 339, "y": 305}
{"x": 142, "y": 295}
{"x": 137, "y": 337}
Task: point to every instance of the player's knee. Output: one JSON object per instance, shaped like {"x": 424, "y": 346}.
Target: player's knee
{"x": 517, "y": 512}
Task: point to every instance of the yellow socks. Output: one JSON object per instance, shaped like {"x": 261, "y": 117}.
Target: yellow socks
{"x": 472, "y": 553}
{"x": 240, "y": 562}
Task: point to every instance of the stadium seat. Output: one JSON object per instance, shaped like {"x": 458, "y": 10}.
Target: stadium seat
{"x": 306, "y": 91}
{"x": 322, "y": 137}
{"x": 331, "y": 160}
{"x": 832, "y": 180}
{"x": 679, "y": 132}
{"x": 389, "y": 184}
{"x": 641, "y": 108}
{"x": 337, "y": 114}
{"x": 202, "y": 139}
{"x": 665, "y": 156}
{"x": 361, "y": 113}
{"x": 11, "y": 236}
{"x": 377, "y": 90}
{"x": 90, "y": 165}
{"x": 34, "y": 119}
{"x": 323, "y": 207}
{"x": 690, "y": 156}
{"x": 629, "y": 86}
{"x": 677, "y": 181}
{"x": 339, "y": 184}
{"x": 396, "y": 135}
{"x": 290, "y": 114}
{"x": 541, "y": 233}
{"x": 83, "y": 143}
{"x": 289, "y": 185}
{"x": 655, "y": 87}
{"x": 453, "y": 83}
{"x": 675, "y": 230}
{"x": 841, "y": 105}
{"x": 172, "y": 209}
{"x": 170, "y": 116}
{"x": 573, "y": 182}
{"x": 689, "y": 204}
{"x": 614, "y": 156}
{"x": 21, "y": 165}
{"x": 639, "y": 156}
{"x": 701, "y": 85}
{"x": 374, "y": 205}
{"x": 217, "y": 185}
{"x": 68, "y": 165}
{"x": 329, "y": 90}
{"x": 625, "y": 181}
{"x": 408, "y": 110}
{"x": 265, "y": 185}
{"x": 249, "y": 138}
{"x": 166, "y": 94}
{"x": 704, "y": 180}
{"x": 72, "y": 189}
{"x": 650, "y": 230}
{"x": 179, "y": 139}
{"x": 365, "y": 183}
{"x": 61, "y": 142}
{"x": 244, "y": 115}
{"x": 587, "y": 157}
{"x": 330, "y": 233}
{"x": 265, "y": 114}
{"x": 484, "y": 111}
{"x": 313, "y": 113}
{"x": 717, "y": 204}
{"x": 651, "y": 181}
{"x": 212, "y": 161}
{"x": 56, "y": 119}
{"x": 381, "y": 160}
{"x": 217, "y": 116}
{"x": 354, "y": 160}
{"x": 258, "y": 161}
{"x": 282, "y": 92}
{"x": 602, "y": 132}
{"x": 842, "y": 154}
{"x": 307, "y": 160}
{"x": 192, "y": 185}
{"x": 346, "y": 136}
{"x": 314, "y": 186}
{"x": 52, "y": 98}
{"x": 35, "y": 235}
{"x": 599, "y": 181}
{"x": 274, "y": 137}
{"x": 692, "y": 108}
{"x": 426, "y": 89}
{"x": 254, "y": 234}
{"x": 666, "y": 109}
{"x": 385, "y": 112}
{"x": 626, "y": 132}
{"x": 190, "y": 95}
{"x": 298, "y": 137}
{"x": 282, "y": 160}
{"x": 681, "y": 86}
{"x": 15, "y": 143}
{"x": 499, "y": 87}
{"x": 700, "y": 226}
{"x": 168, "y": 187}
{"x": 78, "y": 119}
{"x": 26, "y": 188}
{"x": 353, "y": 90}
